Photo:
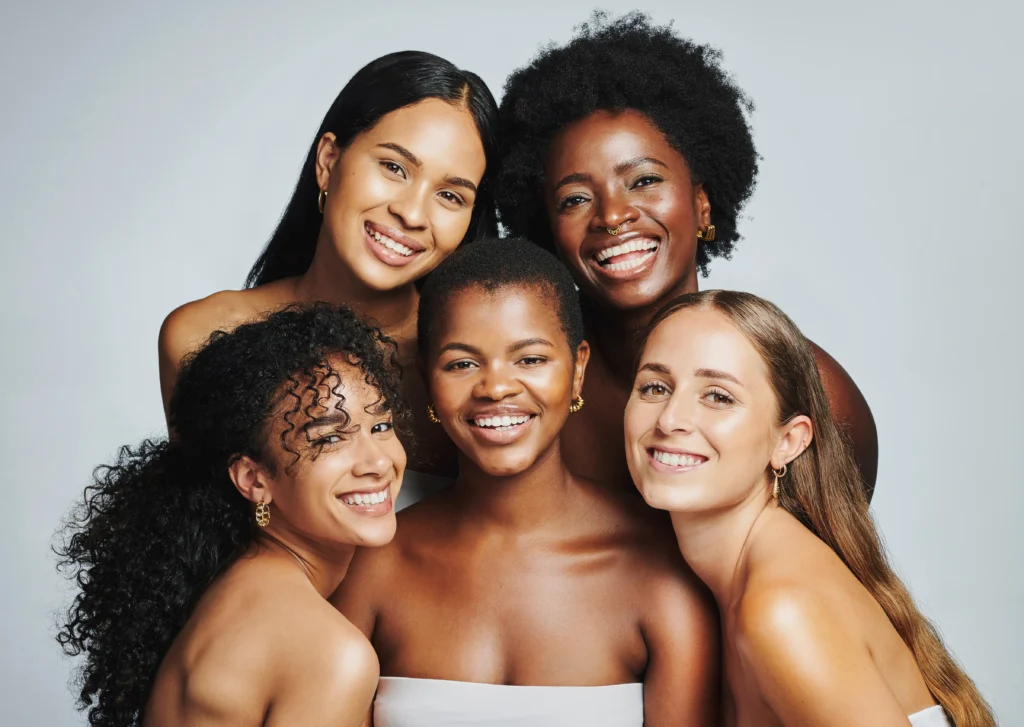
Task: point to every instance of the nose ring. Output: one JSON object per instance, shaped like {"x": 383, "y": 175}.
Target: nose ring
{"x": 614, "y": 230}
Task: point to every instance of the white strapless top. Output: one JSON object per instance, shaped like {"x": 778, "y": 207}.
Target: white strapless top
{"x": 931, "y": 717}
{"x": 405, "y": 702}
{"x": 417, "y": 486}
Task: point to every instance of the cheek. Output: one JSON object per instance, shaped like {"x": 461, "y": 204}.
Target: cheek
{"x": 450, "y": 228}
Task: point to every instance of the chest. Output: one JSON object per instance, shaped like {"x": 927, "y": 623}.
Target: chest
{"x": 540, "y": 617}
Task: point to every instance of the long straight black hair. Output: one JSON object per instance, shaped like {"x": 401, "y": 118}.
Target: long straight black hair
{"x": 384, "y": 85}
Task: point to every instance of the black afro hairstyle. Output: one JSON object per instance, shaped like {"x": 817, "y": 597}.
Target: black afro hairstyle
{"x": 623, "y": 64}
{"x": 491, "y": 264}
{"x": 163, "y": 520}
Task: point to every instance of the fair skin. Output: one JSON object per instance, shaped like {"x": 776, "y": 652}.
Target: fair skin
{"x": 263, "y": 647}
{"x": 412, "y": 178}
{"x": 521, "y": 573}
{"x": 617, "y": 170}
{"x": 804, "y": 642}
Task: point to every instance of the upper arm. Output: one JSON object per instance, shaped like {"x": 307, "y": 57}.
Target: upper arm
{"x": 810, "y": 667}
{"x": 851, "y": 412}
{"x": 681, "y": 685}
{"x": 357, "y": 595}
{"x": 181, "y": 332}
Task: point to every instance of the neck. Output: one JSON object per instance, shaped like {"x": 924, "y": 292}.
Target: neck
{"x": 716, "y": 544}
{"x": 524, "y": 501}
{"x": 324, "y": 567}
{"x": 330, "y": 280}
{"x": 615, "y": 332}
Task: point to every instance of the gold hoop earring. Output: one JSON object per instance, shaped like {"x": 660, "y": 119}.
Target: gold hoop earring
{"x": 432, "y": 415}
{"x": 320, "y": 200}
{"x": 263, "y": 514}
{"x": 613, "y": 231}
{"x": 707, "y": 234}
{"x": 577, "y": 404}
{"x": 779, "y": 474}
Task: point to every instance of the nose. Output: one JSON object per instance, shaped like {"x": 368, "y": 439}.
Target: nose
{"x": 410, "y": 206}
{"x": 370, "y": 459}
{"x": 676, "y": 416}
{"x": 496, "y": 382}
{"x": 613, "y": 210}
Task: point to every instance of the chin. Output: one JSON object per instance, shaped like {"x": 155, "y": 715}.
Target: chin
{"x": 376, "y": 536}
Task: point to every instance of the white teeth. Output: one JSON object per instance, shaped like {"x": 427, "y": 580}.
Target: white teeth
{"x": 374, "y": 498}
{"x": 626, "y": 247}
{"x": 391, "y": 244}
{"x": 502, "y": 422}
{"x": 676, "y": 460}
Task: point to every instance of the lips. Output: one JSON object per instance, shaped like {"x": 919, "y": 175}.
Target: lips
{"x": 391, "y": 246}
{"x": 626, "y": 256}
{"x": 674, "y": 461}
{"x": 500, "y": 425}
{"x": 373, "y": 502}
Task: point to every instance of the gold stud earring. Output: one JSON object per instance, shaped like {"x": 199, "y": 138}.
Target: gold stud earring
{"x": 779, "y": 474}
{"x": 707, "y": 234}
{"x": 320, "y": 200}
{"x": 262, "y": 514}
{"x": 432, "y": 415}
{"x": 577, "y": 404}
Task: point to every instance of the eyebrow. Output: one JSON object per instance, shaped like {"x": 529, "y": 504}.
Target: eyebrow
{"x": 402, "y": 151}
{"x": 699, "y": 373}
{"x": 460, "y": 182}
{"x": 621, "y": 168}
{"x": 517, "y": 346}
{"x": 327, "y": 420}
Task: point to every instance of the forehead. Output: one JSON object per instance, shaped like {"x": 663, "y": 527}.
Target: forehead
{"x": 437, "y": 132}
{"x": 338, "y": 384}
{"x": 501, "y": 316}
{"x": 695, "y": 338}
{"x": 606, "y": 138}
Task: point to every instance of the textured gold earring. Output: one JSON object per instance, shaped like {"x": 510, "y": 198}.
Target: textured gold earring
{"x": 779, "y": 474}
{"x": 432, "y": 415}
{"x": 320, "y": 200}
{"x": 577, "y": 404}
{"x": 707, "y": 234}
{"x": 262, "y": 514}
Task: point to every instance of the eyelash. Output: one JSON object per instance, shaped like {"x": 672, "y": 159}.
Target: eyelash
{"x": 650, "y": 178}
{"x": 650, "y": 385}
{"x": 574, "y": 200}
{"x": 456, "y": 199}
{"x": 714, "y": 393}
{"x": 394, "y": 168}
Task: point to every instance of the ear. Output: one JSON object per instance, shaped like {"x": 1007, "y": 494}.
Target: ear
{"x": 701, "y": 206}
{"x": 251, "y": 480}
{"x": 796, "y": 436}
{"x": 580, "y": 369}
{"x": 327, "y": 155}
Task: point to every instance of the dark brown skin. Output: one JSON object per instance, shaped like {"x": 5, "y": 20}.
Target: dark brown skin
{"x": 612, "y": 170}
{"x": 522, "y": 574}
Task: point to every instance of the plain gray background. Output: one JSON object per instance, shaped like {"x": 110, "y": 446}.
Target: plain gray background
{"x": 147, "y": 152}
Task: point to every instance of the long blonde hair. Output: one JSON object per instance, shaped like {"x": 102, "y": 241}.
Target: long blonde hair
{"x": 825, "y": 492}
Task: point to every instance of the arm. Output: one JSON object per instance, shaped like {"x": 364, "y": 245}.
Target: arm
{"x": 810, "y": 667}
{"x": 682, "y": 683}
{"x": 852, "y": 414}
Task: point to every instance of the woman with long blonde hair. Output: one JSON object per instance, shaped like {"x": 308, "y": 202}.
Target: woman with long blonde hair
{"x": 728, "y": 428}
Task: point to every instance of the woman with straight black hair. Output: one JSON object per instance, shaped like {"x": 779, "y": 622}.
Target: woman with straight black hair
{"x": 396, "y": 179}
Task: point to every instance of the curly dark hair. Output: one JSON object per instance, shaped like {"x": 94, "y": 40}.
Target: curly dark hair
{"x": 157, "y": 526}
{"x": 491, "y": 264}
{"x": 628, "y": 64}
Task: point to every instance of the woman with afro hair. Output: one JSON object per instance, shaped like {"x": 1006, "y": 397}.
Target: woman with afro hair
{"x": 627, "y": 151}
{"x": 202, "y": 564}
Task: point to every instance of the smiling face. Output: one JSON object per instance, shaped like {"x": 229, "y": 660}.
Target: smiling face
{"x": 342, "y": 488}
{"x": 701, "y": 422}
{"x": 617, "y": 170}
{"x": 502, "y": 376}
{"x": 400, "y": 197}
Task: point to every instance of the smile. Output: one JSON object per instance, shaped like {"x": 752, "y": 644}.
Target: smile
{"x": 627, "y": 259}
{"x": 502, "y": 422}
{"x": 675, "y": 461}
{"x": 375, "y": 502}
{"x": 393, "y": 252}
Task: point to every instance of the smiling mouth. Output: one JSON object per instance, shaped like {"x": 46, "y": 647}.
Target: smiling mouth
{"x": 374, "y": 502}
{"x": 385, "y": 241}
{"x": 674, "y": 460}
{"x": 627, "y": 255}
{"x": 501, "y": 423}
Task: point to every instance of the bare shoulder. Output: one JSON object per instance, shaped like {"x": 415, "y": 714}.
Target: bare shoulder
{"x": 851, "y": 412}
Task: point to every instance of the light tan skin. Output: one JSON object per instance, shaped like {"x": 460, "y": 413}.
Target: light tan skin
{"x": 416, "y": 172}
{"x": 522, "y": 574}
{"x": 804, "y": 642}
{"x": 618, "y": 170}
{"x": 263, "y": 647}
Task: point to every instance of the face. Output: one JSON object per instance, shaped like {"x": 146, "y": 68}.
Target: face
{"x": 400, "y": 197}
{"x": 502, "y": 377}
{"x": 701, "y": 423}
{"x": 617, "y": 170}
{"x": 343, "y": 487}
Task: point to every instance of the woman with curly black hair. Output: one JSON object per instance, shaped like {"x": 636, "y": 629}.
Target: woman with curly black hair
{"x": 628, "y": 152}
{"x": 203, "y": 563}
{"x": 396, "y": 178}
